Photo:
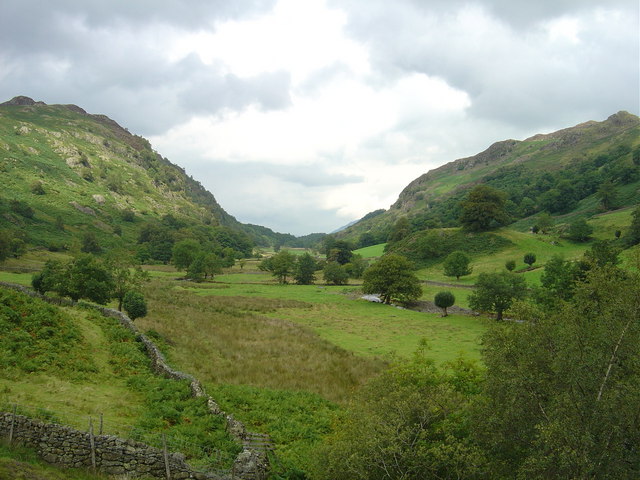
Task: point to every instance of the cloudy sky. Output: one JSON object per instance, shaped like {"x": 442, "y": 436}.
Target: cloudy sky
{"x": 303, "y": 115}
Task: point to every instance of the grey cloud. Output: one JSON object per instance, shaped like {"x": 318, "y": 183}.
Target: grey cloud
{"x": 211, "y": 91}
{"x": 268, "y": 195}
{"x": 509, "y": 76}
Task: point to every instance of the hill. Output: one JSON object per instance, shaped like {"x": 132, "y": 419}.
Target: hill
{"x": 561, "y": 172}
{"x": 67, "y": 173}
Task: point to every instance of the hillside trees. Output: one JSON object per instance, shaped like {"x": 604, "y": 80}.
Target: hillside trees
{"x": 81, "y": 277}
{"x": 135, "y": 305}
{"x": 483, "y": 209}
{"x": 562, "y": 390}
{"x": 5, "y": 245}
{"x": 409, "y": 423}
{"x": 495, "y": 292}
{"x": 632, "y": 237}
{"x": 579, "y": 230}
{"x": 391, "y": 277}
{"x": 456, "y": 265}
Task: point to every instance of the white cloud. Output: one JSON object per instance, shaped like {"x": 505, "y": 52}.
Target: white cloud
{"x": 302, "y": 115}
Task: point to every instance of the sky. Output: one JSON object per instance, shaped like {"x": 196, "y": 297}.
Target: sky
{"x": 304, "y": 115}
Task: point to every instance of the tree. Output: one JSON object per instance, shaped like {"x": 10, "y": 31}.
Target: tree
{"x": 494, "y": 292}
{"x": 185, "y": 252}
{"x": 483, "y": 209}
{"x": 135, "y": 305}
{"x": 608, "y": 195}
{"x": 408, "y": 423}
{"x": 280, "y": 265}
{"x": 90, "y": 243}
{"x": 601, "y": 253}
{"x": 544, "y": 222}
{"x": 126, "y": 275}
{"x": 510, "y": 265}
{"x": 632, "y": 237}
{"x": 340, "y": 252}
{"x": 391, "y": 277}
{"x": 579, "y": 230}
{"x": 562, "y": 390}
{"x": 559, "y": 278}
{"x": 304, "y": 273}
{"x": 399, "y": 230}
{"x": 529, "y": 258}
{"x": 444, "y": 300}
{"x": 211, "y": 265}
{"x": 5, "y": 245}
{"x": 456, "y": 265}
{"x": 82, "y": 277}
{"x": 335, "y": 273}
{"x": 356, "y": 266}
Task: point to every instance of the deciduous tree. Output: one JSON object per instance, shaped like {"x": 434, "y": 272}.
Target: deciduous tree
{"x": 483, "y": 209}
{"x": 494, "y": 292}
{"x": 457, "y": 265}
{"x": 392, "y": 278}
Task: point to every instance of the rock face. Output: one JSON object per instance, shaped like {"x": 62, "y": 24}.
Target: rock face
{"x": 21, "y": 100}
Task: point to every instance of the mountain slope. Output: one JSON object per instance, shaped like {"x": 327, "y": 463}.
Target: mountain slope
{"x": 591, "y": 153}
{"x": 66, "y": 172}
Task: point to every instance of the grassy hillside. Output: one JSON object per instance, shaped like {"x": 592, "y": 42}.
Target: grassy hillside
{"x": 561, "y": 173}
{"x": 68, "y": 365}
{"x": 67, "y": 173}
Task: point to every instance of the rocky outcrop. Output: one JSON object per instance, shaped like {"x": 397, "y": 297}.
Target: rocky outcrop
{"x": 21, "y": 100}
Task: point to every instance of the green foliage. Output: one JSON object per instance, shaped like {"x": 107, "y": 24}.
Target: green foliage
{"x": 602, "y": 253}
{"x": 305, "y": 269}
{"x": 37, "y": 188}
{"x": 335, "y": 274}
{"x": 5, "y": 245}
{"x": 90, "y": 243}
{"x": 134, "y": 304}
{"x": 391, "y": 277}
{"x": 529, "y": 258}
{"x": 510, "y": 265}
{"x": 456, "y": 265}
{"x": 483, "y": 209}
{"x": 426, "y": 247}
{"x": 356, "y": 266}
{"x": 22, "y": 208}
{"x": 281, "y": 265}
{"x": 494, "y": 292}
{"x": 127, "y": 275}
{"x": 579, "y": 230}
{"x": 632, "y": 236}
{"x": 409, "y": 423}
{"x": 399, "y": 230}
{"x": 82, "y": 277}
{"x": 185, "y": 252}
{"x": 444, "y": 300}
{"x": 544, "y": 222}
{"x": 36, "y": 337}
{"x": 562, "y": 390}
{"x": 559, "y": 278}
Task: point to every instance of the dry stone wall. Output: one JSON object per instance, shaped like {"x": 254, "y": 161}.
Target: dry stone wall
{"x": 71, "y": 448}
{"x": 251, "y": 463}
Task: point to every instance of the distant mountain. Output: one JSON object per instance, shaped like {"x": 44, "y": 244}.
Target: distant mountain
{"x": 556, "y": 172}
{"x": 66, "y": 172}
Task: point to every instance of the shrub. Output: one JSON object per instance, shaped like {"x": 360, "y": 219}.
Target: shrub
{"x": 135, "y": 305}
{"x": 444, "y": 300}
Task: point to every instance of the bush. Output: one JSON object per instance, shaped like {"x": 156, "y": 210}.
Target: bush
{"x": 529, "y": 258}
{"x": 135, "y": 305}
{"x": 444, "y": 300}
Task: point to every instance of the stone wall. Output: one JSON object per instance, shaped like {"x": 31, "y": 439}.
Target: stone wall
{"x": 251, "y": 463}
{"x": 71, "y": 448}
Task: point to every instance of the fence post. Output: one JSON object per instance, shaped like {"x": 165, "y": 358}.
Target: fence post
{"x": 93, "y": 445}
{"x": 166, "y": 456}
{"x": 13, "y": 423}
